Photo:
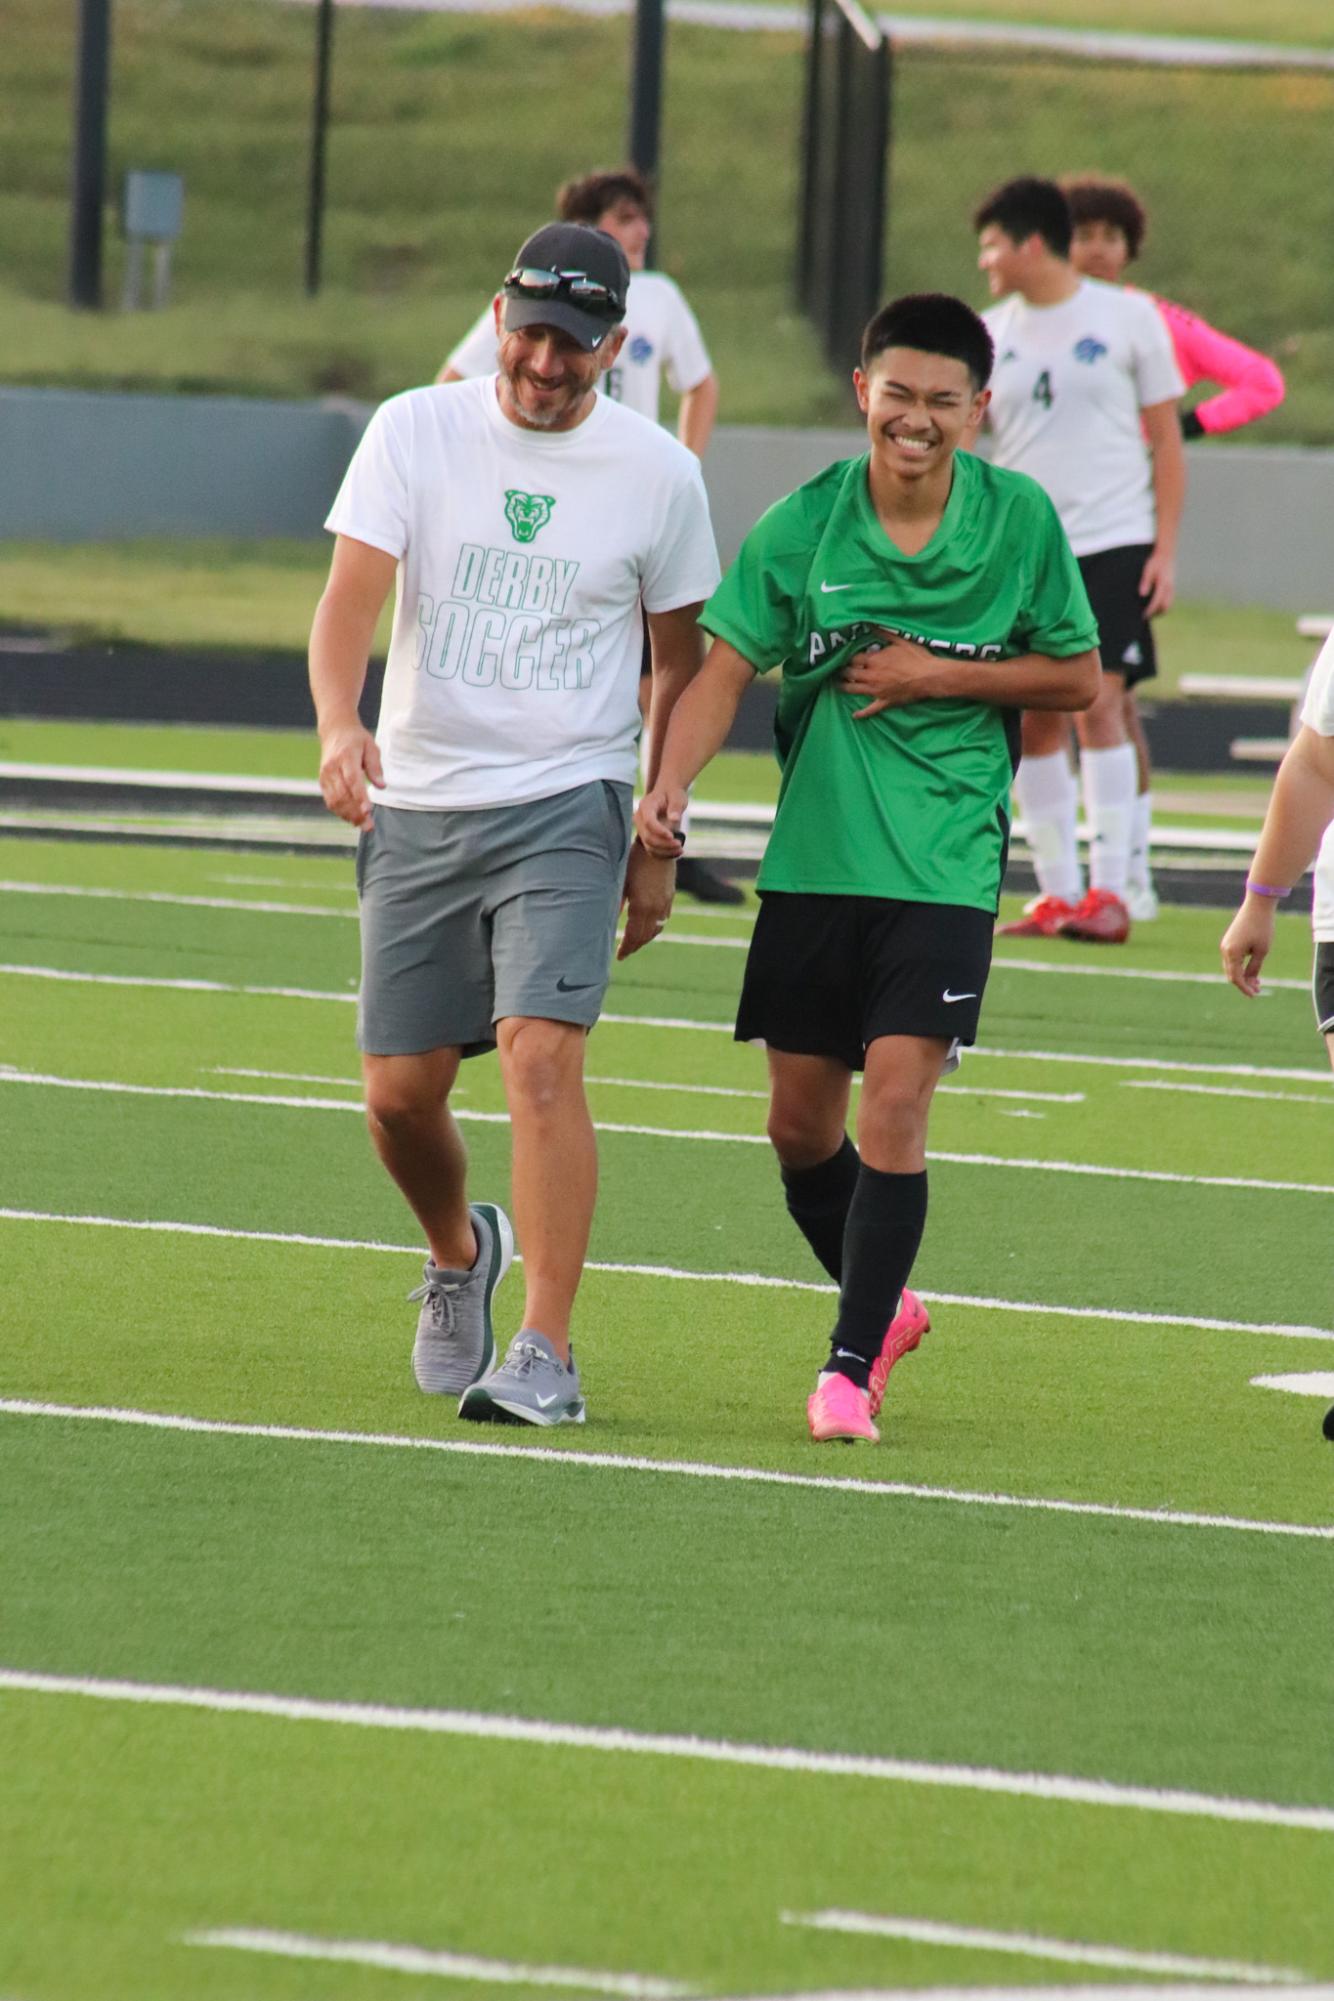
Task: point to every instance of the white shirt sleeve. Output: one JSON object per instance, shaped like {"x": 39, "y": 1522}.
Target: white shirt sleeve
{"x": 685, "y": 357}
{"x": 372, "y": 504}
{"x": 1318, "y": 704}
{"x": 478, "y": 352}
{"x": 1157, "y": 377}
{"x": 683, "y": 565}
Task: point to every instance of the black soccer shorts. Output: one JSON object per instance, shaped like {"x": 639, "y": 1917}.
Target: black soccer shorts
{"x": 1125, "y": 636}
{"x": 826, "y": 975}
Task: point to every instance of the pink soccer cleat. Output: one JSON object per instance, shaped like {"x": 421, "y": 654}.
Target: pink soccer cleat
{"x": 838, "y": 1409}
{"x": 905, "y": 1332}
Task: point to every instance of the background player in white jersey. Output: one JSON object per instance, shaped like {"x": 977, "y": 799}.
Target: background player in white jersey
{"x": 528, "y": 523}
{"x": 1301, "y": 810}
{"x": 1109, "y": 229}
{"x": 662, "y": 337}
{"x": 1084, "y": 398}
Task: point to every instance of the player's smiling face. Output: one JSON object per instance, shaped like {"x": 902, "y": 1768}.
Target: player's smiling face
{"x": 1000, "y": 259}
{"x": 918, "y": 408}
{"x": 1100, "y": 250}
{"x": 546, "y": 378}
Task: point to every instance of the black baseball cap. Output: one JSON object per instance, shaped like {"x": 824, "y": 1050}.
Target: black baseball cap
{"x": 568, "y": 252}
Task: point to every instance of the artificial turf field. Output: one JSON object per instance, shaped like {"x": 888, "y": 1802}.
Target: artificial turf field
{"x": 1072, "y": 1612}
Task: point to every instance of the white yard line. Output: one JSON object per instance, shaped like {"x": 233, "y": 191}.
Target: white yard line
{"x": 1312, "y": 1383}
{"x": 282, "y": 1076}
{"x": 689, "y": 1469}
{"x": 1103, "y": 1991}
{"x": 686, "y": 1024}
{"x": 44, "y": 1080}
{"x": 440, "y": 1965}
{"x": 972, "y": 1938}
{"x": 1051, "y": 1787}
{"x": 1225, "y": 1091}
{"x": 762, "y": 1281}
{"x": 186, "y": 902}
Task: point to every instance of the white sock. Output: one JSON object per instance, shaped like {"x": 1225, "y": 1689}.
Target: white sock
{"x": 1047, "y": 795}
{"x": 1110, "y": 778}
{"x": 1138, "y": 875}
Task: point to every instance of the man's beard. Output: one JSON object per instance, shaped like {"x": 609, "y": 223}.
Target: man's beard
{"x": 549, "y": 414}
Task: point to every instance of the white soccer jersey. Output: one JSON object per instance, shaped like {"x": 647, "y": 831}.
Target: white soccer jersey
{"x": 662, "y": 337}
{"x": 1067, "y": 391}
{"x": 523, "y": 556}
{"x": 1318, "y": 715}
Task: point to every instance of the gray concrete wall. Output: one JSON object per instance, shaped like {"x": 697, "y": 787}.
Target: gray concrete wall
{"x": 76, "y": 467}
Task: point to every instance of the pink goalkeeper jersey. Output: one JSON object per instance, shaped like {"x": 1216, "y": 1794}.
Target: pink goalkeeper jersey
{"x": 1251, "y": 382}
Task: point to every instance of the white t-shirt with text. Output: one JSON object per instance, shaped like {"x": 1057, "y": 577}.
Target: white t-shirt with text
{"x": 1068, "y": 387}
{"x": 523, "y": 558}
{"x": 1318, "y": 714}
{"x": 662, "y": 337}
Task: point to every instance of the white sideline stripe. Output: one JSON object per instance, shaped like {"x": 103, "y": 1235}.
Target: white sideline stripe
{"x": 282, "y": 1076}
{"x": 1103, "y": 1991}
{"x": 709, "y": 1750}
{"x": 620, "y": 1462}
{"x": 681, "y": 1022}
{"x": 443, "y": 1965}
{"x": 265, "y": 908}
{"x": 926, "y": 1931}
{"x": 1123, "y": 1316}
{"x": 1315, "y": 1383}
{"x": 46, "y": 1081}
{"x": 1224, "y": 1091}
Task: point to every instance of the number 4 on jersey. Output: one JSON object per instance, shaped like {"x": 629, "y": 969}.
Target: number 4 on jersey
{"x": 1042, "y": 392}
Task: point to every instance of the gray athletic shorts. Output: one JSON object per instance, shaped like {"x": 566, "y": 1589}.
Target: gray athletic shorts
{"x": 467, "y": 917}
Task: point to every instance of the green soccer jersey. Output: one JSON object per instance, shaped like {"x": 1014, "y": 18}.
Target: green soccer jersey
{"x": 914, "y": 802}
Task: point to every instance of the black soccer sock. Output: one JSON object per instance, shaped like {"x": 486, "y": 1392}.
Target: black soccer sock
{"x": 885, "y": 1223}
{"x": 818, "y": 1199}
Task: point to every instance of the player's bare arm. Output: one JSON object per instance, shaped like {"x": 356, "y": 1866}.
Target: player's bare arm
{"x": 697, "y": 415}
{"x": 901, "y": 672}
{"x": 1301, "y": 806}
{"x": 697, "y": 732}
{"x": 1162, "y": 428}
{"x": 360, "y": 579}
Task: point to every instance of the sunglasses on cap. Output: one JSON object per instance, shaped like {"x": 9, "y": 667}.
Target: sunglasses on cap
{"x": 576, "y": 286}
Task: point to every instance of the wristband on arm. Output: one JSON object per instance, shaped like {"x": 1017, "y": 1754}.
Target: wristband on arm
{"x": 1264, "y": 889}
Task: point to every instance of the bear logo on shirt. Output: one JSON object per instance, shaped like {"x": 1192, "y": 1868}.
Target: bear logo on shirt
{"x": 527, "y": 512}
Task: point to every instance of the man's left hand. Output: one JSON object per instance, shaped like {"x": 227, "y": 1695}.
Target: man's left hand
{"x": 650, "y": 885}
{"x": 893, "y": 675}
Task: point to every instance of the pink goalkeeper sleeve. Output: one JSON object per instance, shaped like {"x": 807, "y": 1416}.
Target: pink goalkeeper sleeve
{"x": 1252, "y": 384}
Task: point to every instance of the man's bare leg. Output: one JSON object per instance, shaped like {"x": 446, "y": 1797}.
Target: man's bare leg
{"x": 413, "y": 1129}
{"x": 554, "y": 1182}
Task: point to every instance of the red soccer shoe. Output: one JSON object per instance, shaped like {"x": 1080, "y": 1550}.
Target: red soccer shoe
{"x": 1101, "y": 919}
{"x": 905, "y": 1332}
{"x": 1042, "y": 918}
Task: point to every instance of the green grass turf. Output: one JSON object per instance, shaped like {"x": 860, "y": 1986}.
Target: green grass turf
{"x": 420, "y": 225}
{"x": 1132, "y": 1651}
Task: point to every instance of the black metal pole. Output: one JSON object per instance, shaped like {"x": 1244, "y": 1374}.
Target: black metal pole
{"x": 88, "y": 177}
{"x": 318, "y": 128}
{"x": 646, "y": 92}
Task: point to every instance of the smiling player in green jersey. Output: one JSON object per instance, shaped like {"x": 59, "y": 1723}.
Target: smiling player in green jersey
{"x": 916, "y": 599}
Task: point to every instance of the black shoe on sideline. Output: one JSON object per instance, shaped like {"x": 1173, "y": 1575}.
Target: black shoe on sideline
{"x": 697, "y": 879}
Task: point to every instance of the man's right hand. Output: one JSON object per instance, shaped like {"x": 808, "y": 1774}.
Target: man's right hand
{"x": 348, "y": 757}
{"x": 658, "y": 820}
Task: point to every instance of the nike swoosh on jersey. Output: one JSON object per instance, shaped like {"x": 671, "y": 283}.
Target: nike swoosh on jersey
{"x": 947, "y": 996}
{"x": 827, "y": 588}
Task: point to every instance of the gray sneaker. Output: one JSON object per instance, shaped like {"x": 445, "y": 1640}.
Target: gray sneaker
{"x": 455, "y": 1344}
{"x": 531, "y": 1386}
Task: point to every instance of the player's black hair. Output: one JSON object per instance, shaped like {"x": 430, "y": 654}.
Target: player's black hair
{"x": 1094, "y": 198}
{"x": 591, "y": 195}
{"x": 933, "y": 323}
{"x": 1028, "y": 207}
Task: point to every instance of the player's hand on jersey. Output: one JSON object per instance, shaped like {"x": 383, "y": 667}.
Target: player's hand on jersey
{"x": 890, "y": 675}
{"x": 1158, "y": 583}
{"x": 650, "y": 885}
{"x": 658, "y": 820}
{"x": 348, "y": 757}
{"x": 1247, "y": 942}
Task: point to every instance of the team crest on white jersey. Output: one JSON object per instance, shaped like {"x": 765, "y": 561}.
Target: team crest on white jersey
{"x": 527, "y": 512}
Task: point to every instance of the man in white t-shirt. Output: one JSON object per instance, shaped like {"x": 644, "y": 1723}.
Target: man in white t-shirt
{"x": 1301, "y": 812}
{"x": 529, "y": 525}
{"x": 1084, "y": 400}
{"x": 662, "y": 338}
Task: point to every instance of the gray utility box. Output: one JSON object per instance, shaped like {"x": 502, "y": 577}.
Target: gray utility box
{"x": 152, "y": 212}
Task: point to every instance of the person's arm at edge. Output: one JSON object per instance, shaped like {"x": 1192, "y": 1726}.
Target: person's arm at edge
{"x": 448, "y": 374}
{"x": 697, "y": 414}
{"x": 650, "y": 879}
{"x": 696, "y": 733}
{"x": 360, "y": 579}
{"x": 901, "y": 672}
{"x": 1251, "y": 384}
{"x": 1301, "y": 806}
{"x": 1162, "y": 428}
